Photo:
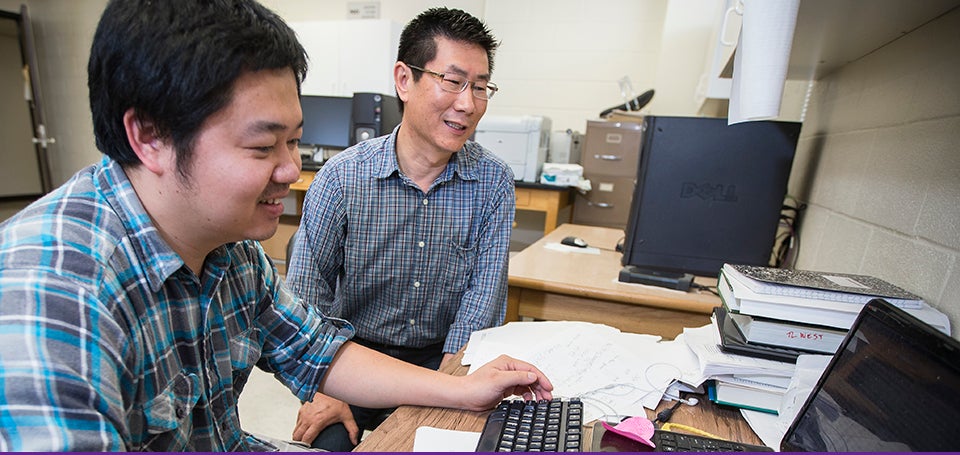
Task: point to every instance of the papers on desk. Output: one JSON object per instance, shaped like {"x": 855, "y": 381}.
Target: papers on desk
{"x": 614, "y": 373}
{"x": 705, "y": 341}
{"x": 556, "y": 246}
{"x": 771, "y": 428}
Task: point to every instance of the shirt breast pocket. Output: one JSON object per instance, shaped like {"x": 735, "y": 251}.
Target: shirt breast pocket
{"x": 169, "y": 414}
{"x": 458, "y": 267}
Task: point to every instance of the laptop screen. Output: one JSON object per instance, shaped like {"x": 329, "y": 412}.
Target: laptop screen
{"x": 894, "y": 385}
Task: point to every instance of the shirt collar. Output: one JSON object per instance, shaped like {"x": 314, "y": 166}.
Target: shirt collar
{"x": 158, "y": 258}
{"x": 464, "y": 163}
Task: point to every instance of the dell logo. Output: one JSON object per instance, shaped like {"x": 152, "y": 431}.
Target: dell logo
{"x": 709, "y": 192}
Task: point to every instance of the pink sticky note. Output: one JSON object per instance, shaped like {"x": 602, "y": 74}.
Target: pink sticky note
{"x": 637, "y": 428}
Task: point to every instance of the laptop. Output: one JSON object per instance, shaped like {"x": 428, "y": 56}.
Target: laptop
{"x": 892, "y": 386}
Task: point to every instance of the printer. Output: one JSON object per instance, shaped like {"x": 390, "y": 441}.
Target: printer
{"x": 522, "y": 141}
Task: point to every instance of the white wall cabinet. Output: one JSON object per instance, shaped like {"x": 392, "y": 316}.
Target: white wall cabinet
{"x": 349, "y": 56}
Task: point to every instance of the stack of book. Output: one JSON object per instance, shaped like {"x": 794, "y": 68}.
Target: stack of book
{"x": 818, "y": 301}
{"x": 779, "y": 314}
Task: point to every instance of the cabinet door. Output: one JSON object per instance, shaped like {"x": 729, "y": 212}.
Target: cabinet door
{"x": 349, "y": 56}
{"x": 321, "y": 39}
{"x": 368, "y": 50}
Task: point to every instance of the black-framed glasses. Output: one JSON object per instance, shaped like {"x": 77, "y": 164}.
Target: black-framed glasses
{"x": 453, "y": 83}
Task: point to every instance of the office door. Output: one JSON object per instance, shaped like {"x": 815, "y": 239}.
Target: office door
{"x": 23, "y": 153}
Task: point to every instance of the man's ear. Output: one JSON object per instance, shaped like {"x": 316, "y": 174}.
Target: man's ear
{"x": 145, "y": 141}
{"x": 403, "y": 78}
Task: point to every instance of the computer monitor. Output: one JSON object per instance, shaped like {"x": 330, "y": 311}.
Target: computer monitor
{"x": 707, "y": 193}
{"x": 326, "y": 121}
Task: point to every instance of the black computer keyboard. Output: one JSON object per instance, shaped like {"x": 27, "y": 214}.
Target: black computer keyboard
{"x": 668, "y": 441}
{"x": 533, "y": 426}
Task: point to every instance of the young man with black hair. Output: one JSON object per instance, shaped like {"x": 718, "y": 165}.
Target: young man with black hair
{"x": 133, "y": 305}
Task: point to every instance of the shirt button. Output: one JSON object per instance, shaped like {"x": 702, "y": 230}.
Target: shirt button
{"x": 413, "y": 322}
{"x": 421, "y": 244}
{"x": 426, "y": 202}
{"x": 180, "y": 412}
{"x": 416, "y": 284}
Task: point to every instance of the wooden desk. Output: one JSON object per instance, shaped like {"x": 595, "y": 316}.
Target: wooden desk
{"x": 543, "y": 198}
{"x": 396, "y": 434}
{"x": 554, "y": 285}
{"x": 530, "y": 196}
{"x": 301, "y": 186}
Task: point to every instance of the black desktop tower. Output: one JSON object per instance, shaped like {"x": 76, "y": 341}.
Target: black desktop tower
{"x": 374, "y": 115}
{"x": 707, "y": 193}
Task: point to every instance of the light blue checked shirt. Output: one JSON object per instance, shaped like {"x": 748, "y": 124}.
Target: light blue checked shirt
{"x": 108, "y": 342}
{"x": 407, "y": 268}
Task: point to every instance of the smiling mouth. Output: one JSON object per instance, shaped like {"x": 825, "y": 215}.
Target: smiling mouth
{"x": 270, "y": 201}
{"x": 455, "y": 126}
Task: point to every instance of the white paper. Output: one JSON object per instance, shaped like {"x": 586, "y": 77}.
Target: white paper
{"x": 705, "y": 341}
{"x": 429, "y": 439}
{"x": 613, "y": 373}
{"x": 571, "y": 249}
{"x": 761, "y": 59}
{"x": 771, "y": 428}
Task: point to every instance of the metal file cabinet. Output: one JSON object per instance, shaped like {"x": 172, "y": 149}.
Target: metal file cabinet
{"x": 610, "y": 155}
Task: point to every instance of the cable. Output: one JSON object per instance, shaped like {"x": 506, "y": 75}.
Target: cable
{"x": 610, "y": 390}
{"x": 664, "y": 416}
{"x": 703, "y": 287}
{"x": 786, "y": 242}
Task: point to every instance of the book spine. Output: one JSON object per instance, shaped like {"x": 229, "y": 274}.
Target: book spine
{"x": 711, "y": 387}
{"x": 813, "y": 342}
{"x": 790, "y": 335}
{"x": 748, "y": 407}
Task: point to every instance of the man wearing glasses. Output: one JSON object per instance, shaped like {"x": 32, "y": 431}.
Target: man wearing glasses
{"x": 407, "y": 235}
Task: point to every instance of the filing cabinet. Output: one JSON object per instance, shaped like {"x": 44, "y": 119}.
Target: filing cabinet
{"x": 610, "y": 156}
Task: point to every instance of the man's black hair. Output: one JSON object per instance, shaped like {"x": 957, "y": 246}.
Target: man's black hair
{"x": 175, "y": 62}
{"x": 418, "y": 43}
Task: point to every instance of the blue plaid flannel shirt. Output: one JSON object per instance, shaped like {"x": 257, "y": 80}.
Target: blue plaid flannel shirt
{"x": 108, "y": 342}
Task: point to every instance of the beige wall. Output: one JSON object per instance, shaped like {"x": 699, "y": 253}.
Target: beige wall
{"x": 63, "y": 30}
{"x": 559, "y": 58}
{"x": 879, "y": 165}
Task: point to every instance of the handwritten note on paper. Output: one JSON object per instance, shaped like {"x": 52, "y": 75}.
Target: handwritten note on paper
{"x": 612, "y": 372}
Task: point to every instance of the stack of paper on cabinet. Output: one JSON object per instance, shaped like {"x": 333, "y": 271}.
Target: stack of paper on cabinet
{"x": 824, "y": 304}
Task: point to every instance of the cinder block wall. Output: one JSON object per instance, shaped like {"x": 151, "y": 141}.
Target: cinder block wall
{"x": 879, "y": 166}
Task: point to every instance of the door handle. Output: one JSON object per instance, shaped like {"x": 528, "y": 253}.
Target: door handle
{"x": 608, "y": 157}
{"x": 601, "y": 205}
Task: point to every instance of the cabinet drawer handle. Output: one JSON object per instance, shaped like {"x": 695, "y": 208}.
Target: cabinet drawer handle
{"x": 607, "y": 157}
{"x": 602, "y": 205}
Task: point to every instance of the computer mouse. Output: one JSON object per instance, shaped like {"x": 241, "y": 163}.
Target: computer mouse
{"x": 574, "y": 241}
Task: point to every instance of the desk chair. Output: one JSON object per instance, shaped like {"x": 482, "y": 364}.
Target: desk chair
{"x": 293, "y": 239}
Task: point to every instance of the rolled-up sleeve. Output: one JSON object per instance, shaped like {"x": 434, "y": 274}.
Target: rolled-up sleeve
{"x": 299, "y": 341}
